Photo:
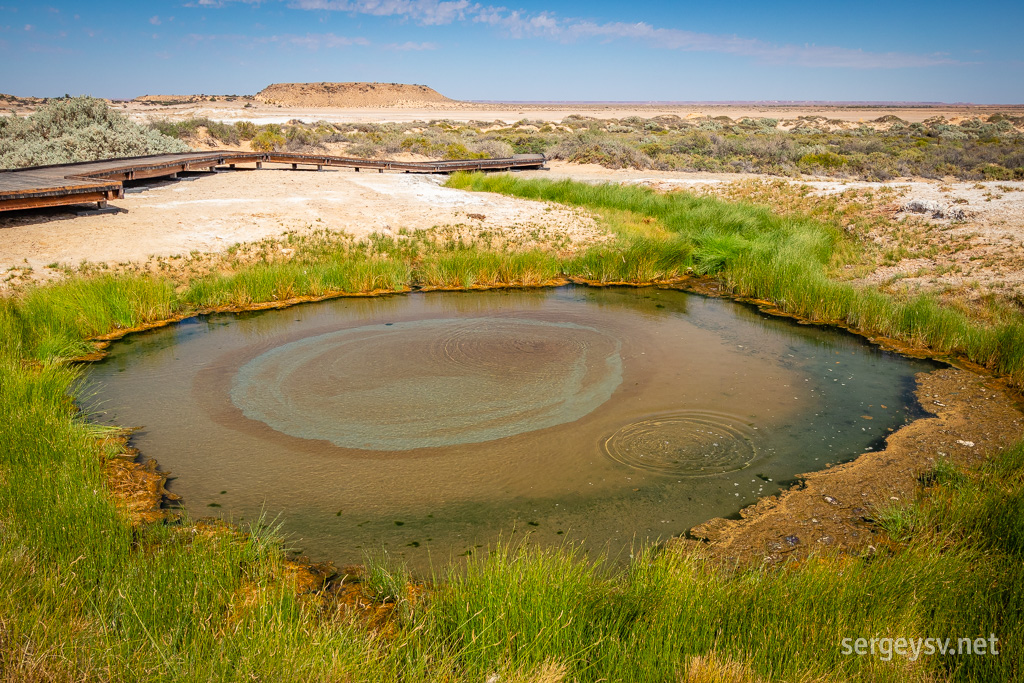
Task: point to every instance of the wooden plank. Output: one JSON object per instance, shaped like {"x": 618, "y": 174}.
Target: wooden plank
{"x": 40, "y": 202}
{"x": 87, "y": 181}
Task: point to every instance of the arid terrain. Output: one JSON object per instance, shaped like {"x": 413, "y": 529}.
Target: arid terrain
{"x": 979, "y": 255}
{"x": 251, "y": 109}
{"x": 392, "y": 102}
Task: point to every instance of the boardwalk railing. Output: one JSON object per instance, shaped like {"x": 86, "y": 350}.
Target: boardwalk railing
{"x": 101, "y": 181}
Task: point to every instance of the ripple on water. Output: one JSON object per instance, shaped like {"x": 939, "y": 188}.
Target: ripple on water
{"x": 685, "y": 443}
{"x": 430, "y": 383}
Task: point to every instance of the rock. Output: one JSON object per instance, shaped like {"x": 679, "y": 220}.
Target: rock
{"x": 830, "y": 500}
{"x": 792, "y": 540}
{"x": 935, "y": 209}
{"x": 929, "y": 206}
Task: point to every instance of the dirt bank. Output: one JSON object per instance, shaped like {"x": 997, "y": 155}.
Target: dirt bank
{"x": 974, "y": 417}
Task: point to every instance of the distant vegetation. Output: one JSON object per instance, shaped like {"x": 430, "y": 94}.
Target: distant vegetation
{"x": 73, "y": 129}
{"x": 85, "y": 129}
{"x": 976, "y": 149}
{"x": 437, "y": 139}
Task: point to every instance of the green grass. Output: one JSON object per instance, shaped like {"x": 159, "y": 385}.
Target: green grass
{"x": 786, "y": 260}
{"x": 89, "y": 596}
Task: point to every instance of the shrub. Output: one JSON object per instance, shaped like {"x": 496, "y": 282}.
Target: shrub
{"x": 996, "y": 172}
{"x": 590, "y": 149}
{"x": 826, "y": 160}
{"x": 75, "y": 129}
{"x": 247, "y": 130}
{"x": 268, "y": 141}
{"x": 222, "y": 132}
{"x": 491, "y": 149}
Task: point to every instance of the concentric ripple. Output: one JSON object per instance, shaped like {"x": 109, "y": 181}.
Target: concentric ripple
{"x": 687, "y": 443}
{"x": 430, "y": 382}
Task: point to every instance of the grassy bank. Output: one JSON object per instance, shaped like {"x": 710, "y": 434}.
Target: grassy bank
{"x": 88, "y": 595}
{"x": 791, "y": 261}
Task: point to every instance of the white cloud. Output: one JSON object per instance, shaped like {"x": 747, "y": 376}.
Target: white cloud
{"x": 314, "y": 41}
{"x": 309, "y": 41}
{"x": 155, "y": 20}
{"x": 518, "y": 24}
{"x": 427, "y": 12}
{"x": 410, "y": 46}
{"x": 547, "y": 25}
{"x": 802, "y": 55}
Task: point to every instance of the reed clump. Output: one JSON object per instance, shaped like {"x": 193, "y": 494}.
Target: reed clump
{"x": 788, "y": 260}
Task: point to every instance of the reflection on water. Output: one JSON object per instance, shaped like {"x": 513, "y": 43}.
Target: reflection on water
{"x": 429, "y": 424}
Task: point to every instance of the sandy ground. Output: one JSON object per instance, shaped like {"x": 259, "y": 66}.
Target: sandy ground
{"x": 258, "y": 112}
{"x": 215, "y": 211}
{"x": 982, "y": 253}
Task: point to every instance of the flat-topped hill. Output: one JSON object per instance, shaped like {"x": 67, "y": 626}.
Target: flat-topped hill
{"x": 348, "y": 95}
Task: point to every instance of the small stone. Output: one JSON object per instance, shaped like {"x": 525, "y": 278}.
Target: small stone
{"x": 969, "y": 444}
{"x": 928, "y": 206}
{"x": 792, "y": 540}
{"x": 830, "y": 500}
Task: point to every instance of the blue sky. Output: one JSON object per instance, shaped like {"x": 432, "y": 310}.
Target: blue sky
{"x": 654, "y": 51}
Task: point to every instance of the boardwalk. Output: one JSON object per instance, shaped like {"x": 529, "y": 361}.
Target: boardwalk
{"x": 102, "y": 181}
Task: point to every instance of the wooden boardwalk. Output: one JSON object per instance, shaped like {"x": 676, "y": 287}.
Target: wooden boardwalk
{"x": 102, "y": 181}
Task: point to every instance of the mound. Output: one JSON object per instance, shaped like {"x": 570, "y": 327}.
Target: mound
{"x": 350, "y": 95}
{"x": 7, "y": 101}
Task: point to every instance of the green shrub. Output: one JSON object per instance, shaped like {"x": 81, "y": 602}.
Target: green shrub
{"x": 826, "y": 160}
{"x": 996, "y": 172}
{"x": 268, "y": 141}
{"x": 77, "y": 129}
{"x": 591, "y": 149}
{"x": 247, "y": 130}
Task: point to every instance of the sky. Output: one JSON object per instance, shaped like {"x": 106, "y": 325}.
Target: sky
{"x": 939, "y": 51}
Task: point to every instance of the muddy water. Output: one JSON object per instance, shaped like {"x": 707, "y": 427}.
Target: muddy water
{"x": 428, "y": 425}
